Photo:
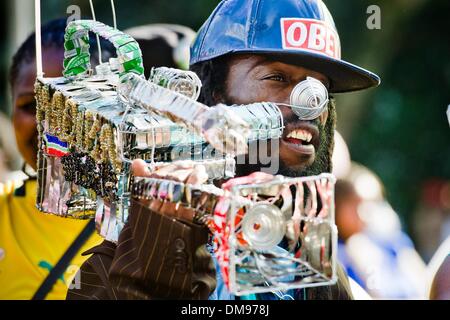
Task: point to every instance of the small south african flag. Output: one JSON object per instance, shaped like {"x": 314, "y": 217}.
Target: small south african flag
{"x": 55, "y": 147}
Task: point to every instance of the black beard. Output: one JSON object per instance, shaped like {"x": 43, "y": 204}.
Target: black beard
{"x": 324, "y": 154}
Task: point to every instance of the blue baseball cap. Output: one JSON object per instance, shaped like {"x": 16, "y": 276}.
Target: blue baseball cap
{"x": 300, "y": 32}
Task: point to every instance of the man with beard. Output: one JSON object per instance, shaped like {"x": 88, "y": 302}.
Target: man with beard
{"x": 247, "y": 51}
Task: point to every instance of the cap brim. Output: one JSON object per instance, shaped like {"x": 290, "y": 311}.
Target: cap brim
{"x": 344, "y": 76}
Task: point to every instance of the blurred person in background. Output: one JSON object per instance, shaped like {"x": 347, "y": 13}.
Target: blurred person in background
{"x": 10, "y": 159}
{"x": 163, "y": 45}
{"x": 39, "y": 254}
{"x": 341, "y": 159}
{"x": 342, "y": 164}
{"x": 38, "y": 242}
{"x": 439, "y": 266}
{"x": 376, "y": 253}
{"x": 432, "y": 225}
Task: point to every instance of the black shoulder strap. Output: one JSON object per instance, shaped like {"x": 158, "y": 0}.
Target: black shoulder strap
{"x": 59, "y": 269}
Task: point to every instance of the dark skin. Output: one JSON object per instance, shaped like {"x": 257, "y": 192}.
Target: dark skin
{"x": 251, "y": 78}
{"x": 255, "y": 78}
{"x": 24, "y": 121}
{"x": 24, "y": 112}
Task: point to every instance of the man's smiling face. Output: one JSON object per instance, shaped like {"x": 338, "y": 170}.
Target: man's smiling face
{"x": 256, "y": 78}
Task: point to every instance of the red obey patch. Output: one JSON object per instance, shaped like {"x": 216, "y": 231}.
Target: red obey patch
{"x": 312, "y": 35}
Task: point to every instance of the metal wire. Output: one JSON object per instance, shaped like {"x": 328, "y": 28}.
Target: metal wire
{"x": 97, "y": 36}
{"x": 309, "y": 99}
{"x": 113, "y": 8}
{"x": 37, "y": 22}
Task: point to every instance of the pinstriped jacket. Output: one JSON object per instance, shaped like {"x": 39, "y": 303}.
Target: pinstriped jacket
{"x": 158, "y": 257}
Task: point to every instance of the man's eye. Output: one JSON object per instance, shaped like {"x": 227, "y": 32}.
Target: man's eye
{"x": 275, "y": 77}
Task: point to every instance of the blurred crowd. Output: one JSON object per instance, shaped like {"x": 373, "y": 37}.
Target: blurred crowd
{"x": 374, "y": 248}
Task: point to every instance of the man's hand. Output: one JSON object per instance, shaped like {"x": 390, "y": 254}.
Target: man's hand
{"x": 187, "y": 172}
{"x": 255, "y": 177}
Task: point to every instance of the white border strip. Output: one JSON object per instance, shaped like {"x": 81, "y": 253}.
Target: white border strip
{"x": 37, "y": 26}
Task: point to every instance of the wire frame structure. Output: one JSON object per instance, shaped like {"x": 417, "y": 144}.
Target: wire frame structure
{"x": 280, "y": 241}
{"x": 268, "y": 236}
{"x": 91, "y": 128}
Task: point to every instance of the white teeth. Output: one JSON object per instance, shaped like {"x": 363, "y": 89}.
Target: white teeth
{"x": 309, "y": 137}
{"x": 301, "y": 135}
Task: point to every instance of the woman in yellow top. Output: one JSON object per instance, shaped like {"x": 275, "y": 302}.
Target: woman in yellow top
{"x": 32, "y": 243}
